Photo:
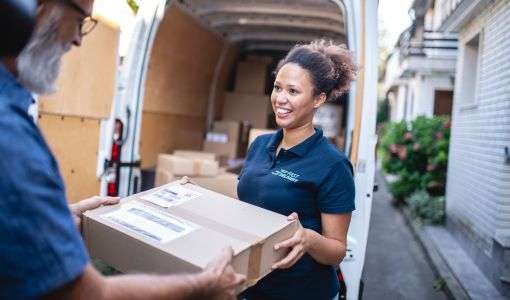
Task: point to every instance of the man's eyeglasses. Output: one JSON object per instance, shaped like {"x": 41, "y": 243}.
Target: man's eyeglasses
{"x": 88, "y": 23}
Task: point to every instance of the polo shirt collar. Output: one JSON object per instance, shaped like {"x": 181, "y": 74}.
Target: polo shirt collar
{"x": 18, "y": 95}
{"x": 300, "y": 149}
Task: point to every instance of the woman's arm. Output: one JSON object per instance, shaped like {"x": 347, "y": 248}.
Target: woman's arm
{"x": 328, "y": 248}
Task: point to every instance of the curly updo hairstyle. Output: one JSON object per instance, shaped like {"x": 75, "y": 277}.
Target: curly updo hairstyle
{"x": 331, "y": 66}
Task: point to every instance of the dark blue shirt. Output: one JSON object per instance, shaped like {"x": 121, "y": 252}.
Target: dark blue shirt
{"x": 40, "y": 246}
{"x": 311, "y": 178}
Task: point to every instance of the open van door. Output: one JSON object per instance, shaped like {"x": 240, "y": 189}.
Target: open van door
{"x": 122, "y": 175}
{"x": 362, "y": 39}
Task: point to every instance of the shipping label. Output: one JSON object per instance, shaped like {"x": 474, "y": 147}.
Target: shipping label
{"x": 171, "y": 196}
{"x": 148, "y": 222}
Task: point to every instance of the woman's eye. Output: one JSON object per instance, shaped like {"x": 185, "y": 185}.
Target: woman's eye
{"x": 276, "y": 88}
{"x": 293, "y": 91}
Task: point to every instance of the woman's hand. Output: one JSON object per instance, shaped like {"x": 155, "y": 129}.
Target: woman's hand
{"x": 298, "y": 245}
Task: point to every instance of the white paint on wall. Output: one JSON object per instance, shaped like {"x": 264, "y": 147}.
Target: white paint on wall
{"x": 478, "y": 187}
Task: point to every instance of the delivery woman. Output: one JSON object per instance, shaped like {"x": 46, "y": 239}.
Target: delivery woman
{"x": 297, "y": 172}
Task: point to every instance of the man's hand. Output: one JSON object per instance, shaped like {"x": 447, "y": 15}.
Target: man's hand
{"x": 91, "y": 203}
{"x": 223, "y": 282}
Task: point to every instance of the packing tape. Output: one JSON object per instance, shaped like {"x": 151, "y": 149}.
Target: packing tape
{"x": 197, "y": 167}
{"x": 254, "y": 261}
{"x": 255, "y": 255}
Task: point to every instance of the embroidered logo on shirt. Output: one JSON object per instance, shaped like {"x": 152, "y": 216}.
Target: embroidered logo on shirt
{"x": 286, "y": 175}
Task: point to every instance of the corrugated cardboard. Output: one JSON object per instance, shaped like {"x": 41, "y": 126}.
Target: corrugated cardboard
{"x": 163, "y": 177}
{"x": 226, "y": 149}
{"x": 181, "y": 166}
{"x": 251, "y": 77}
{"x": 329, "y": 118}
{"x": 225, "y": 184}
{"x": 250, "y": 108}
{"x": 255, "y": 132}
{"x": 195, "y": 154}
{"x": 185, "y": 232}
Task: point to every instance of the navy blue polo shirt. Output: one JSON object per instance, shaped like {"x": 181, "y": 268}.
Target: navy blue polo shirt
{"x": 310, "y": 178}
{"x": 40, "y": 246}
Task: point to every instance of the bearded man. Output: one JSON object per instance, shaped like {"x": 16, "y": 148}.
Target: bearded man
{"x": 42, "y": 255}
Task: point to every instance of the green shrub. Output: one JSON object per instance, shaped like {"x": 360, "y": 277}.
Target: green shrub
{"x": 427, "y": 208}
{"x": 418, "y": 154}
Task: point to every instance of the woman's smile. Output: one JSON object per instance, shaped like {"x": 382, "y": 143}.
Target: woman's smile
{"x": 282, "y": 113}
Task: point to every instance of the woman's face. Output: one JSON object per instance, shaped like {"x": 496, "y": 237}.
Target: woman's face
{"x": 293, "y": 97}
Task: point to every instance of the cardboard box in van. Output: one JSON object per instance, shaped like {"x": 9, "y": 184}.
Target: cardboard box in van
{"x": 195, "y": 154}
{"x": 223, "y": 183}
{"x": 236, "y": 104}
{"x": 255, "y": 132}
{"x": 181, "y": 228}
{"x": 223, "y": 140}
{"x": 182, "y": 166}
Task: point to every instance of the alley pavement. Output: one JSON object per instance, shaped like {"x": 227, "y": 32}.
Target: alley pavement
{"x": 395, "y": 266}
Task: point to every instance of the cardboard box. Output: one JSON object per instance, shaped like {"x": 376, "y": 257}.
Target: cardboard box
{"x": 195, "y": 154}
{"x": 225, "y": 184}
{"x": 181, "y": 228}
{"x": 163, "y": 177}
{"x": 329, "y": 118}
{"x": 224, "y": 139}
{"x": 251, "y": 108}
{"x": 251, "y": 76}
{"x": 182, "y": 166}
{"x": 255, "y": 132}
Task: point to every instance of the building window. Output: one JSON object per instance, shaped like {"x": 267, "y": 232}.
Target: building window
{"x": 469, "y": 72}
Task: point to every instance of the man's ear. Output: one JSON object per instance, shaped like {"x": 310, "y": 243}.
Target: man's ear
{"x": 319, "y": 100}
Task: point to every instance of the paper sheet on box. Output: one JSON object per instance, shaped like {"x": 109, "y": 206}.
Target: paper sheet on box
{"x": 146, "y": 221}
{"x": 171, "y": 196}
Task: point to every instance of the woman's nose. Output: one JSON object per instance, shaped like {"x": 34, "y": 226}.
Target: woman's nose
{"x": 281, "y": 97}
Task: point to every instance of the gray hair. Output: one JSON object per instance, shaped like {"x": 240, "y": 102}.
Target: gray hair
{"x": 39, "y": 62}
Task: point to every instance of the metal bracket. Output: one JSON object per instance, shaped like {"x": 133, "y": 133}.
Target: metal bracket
{"x": 135, "y": 164}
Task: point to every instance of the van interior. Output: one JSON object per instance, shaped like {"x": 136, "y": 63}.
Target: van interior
{"x": 215, "y": 60}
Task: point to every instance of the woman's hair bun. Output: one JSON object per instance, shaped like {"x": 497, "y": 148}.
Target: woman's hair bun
{"x": 345, "y": 68}
{"x": 332, "y": 66}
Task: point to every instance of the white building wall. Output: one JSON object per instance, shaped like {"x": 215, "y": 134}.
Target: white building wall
{"x": 478, "y": 188}
{"x": 426, "y": 85}
{"x": 401, "y": 103}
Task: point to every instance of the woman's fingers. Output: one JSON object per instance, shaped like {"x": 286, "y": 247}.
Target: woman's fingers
{"x": 293, "y": 216}
{"x": 184, "y": 180}
{"x": 287, "y": 243}
{"x": 290, "y": 259}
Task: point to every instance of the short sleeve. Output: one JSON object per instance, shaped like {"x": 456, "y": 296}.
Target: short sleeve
{"x": 336, "y": 192}
{"x": 41, "y": 248}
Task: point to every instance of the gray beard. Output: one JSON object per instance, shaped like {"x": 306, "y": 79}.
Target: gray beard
{"x": 39, "y": 62}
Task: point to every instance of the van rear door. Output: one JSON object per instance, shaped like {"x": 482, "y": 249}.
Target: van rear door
{"x": 362, "y": 36}
{"x": 125, "y": 174}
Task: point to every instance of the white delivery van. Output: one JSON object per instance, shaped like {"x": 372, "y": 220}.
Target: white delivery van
{"x": 188, "y": 59}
